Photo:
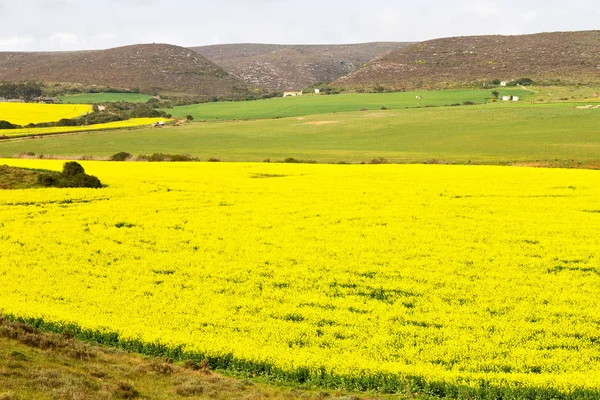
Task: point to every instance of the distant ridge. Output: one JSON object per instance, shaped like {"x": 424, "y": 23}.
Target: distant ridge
{"x": 148, "y": 67}
{"x": 293, "y": 67}
{"x": 560, "y": 57}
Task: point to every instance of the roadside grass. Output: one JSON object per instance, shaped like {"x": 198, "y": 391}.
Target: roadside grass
{"x": 500, "y": 133}
{"x": 325, "y": 104}
{"x": 17, "y": 178}
{"x": 38, "y": 365}
{"x": 92, "y": 98}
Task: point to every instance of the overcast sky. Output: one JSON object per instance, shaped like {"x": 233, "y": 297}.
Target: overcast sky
{"x": 47, "y": 25}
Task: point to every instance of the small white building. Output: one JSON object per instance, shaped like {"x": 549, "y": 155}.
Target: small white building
{"x": 515, "y": 98}
{"x": 292, "y": 94}
{"x": 503, "y": 83}
{"x": 505, "y": 98}
{"x": 101, "y": 108}
{"x": 317, "y": 91}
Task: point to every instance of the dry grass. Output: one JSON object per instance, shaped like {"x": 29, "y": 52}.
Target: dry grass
{"x": 39, "y": 365}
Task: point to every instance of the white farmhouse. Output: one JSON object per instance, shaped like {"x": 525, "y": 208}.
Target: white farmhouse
{"x": 317, "y": 91}
{"x": 503, "y": 83}
{"x": 515, "y": 98}
{"x": 505, "y": 98}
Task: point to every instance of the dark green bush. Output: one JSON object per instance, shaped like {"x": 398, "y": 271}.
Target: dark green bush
{"x": 121, "y": 156}
{"x": 7, "y": 125}
{"x": 525, "y": 81}
{"x": 73, "y": 175}
{"x": 47, "y": 180}
{"x": 72, "y": 168}
{"x": 81, "y": 181}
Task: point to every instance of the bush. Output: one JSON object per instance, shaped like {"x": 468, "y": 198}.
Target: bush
{"x": 72, "y": 168}
{"x": 7, "y": 125}
{"x": 468, "y": 103}
{"x": 180, "y": 157}
{"x": 292, "y": 160}
{"x": 189, "y": 118}
{"x": 379, "y": 160}
{"x": 525, "y": 81}
{"x": 73, "y": 175}
{"x": 81, "y": 181}
{"x": 121, "y": 156}
{"x": 47, "y": 180}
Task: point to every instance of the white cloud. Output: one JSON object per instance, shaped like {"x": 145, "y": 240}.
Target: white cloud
{"x": 16, "y": 43}
{"x": 81, "y": 24}
{"x": 64, "y": 41}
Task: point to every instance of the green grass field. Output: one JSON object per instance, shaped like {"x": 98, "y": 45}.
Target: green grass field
{"x": 91, "y": 98}
{"x": 553, "y": 134}
{"x": 323, "y": 104}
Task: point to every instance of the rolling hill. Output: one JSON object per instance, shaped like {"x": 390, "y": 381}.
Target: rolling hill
{"x": 557, "y": 58}
{"x": 152, "y": 68}
{"x": 293, "y": 67}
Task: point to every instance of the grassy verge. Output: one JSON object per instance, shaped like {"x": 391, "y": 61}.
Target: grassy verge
{"x": 29, "y": 331}
{"x": 43, "y": 365}
{"x": 18, "y": 178}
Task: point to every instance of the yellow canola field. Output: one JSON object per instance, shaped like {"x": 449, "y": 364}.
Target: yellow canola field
{"x": 460, "y": 274}
{"x": 130, "y": 123}
{"x": 28, "y": 113}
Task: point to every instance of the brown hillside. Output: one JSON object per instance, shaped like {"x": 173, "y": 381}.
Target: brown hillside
{"x": 149, "y": 67}
{"x": 293, "y": 67}
{"x": 568, "y": 57}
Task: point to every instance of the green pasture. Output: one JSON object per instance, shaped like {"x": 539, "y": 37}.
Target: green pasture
{"x": 325, "y": 104}
{"x": 91, "y": 98}
{"x": 554, "y": 134}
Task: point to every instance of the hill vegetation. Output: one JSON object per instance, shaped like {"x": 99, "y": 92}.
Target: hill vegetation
{"x": 550, "y": 58}
{"x": 149, "y": 68}
{"x": 293, "y": 67}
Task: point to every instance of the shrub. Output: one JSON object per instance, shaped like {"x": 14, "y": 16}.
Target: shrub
{"x": 73, "y": 175}
{"x": 525, "y": 81}
{"x": 157, "y": 157}
{"x": 189, "y": 118}
{"x": 47, "y": 180}
{"x": 6, "y": 125}
{"x": 468, "y": 103}
{"x": 121, "y": 156}
{"x": 379, "y": 160}
{"x": 292, "y": 160}
{"x": 82, "y": 181}
{"x": 180, "y": 157}
{"x": 72, "y": 168}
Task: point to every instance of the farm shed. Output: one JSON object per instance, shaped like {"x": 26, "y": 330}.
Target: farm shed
{"x": 505, "y": 98}
{"x": 515, "y": 98}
